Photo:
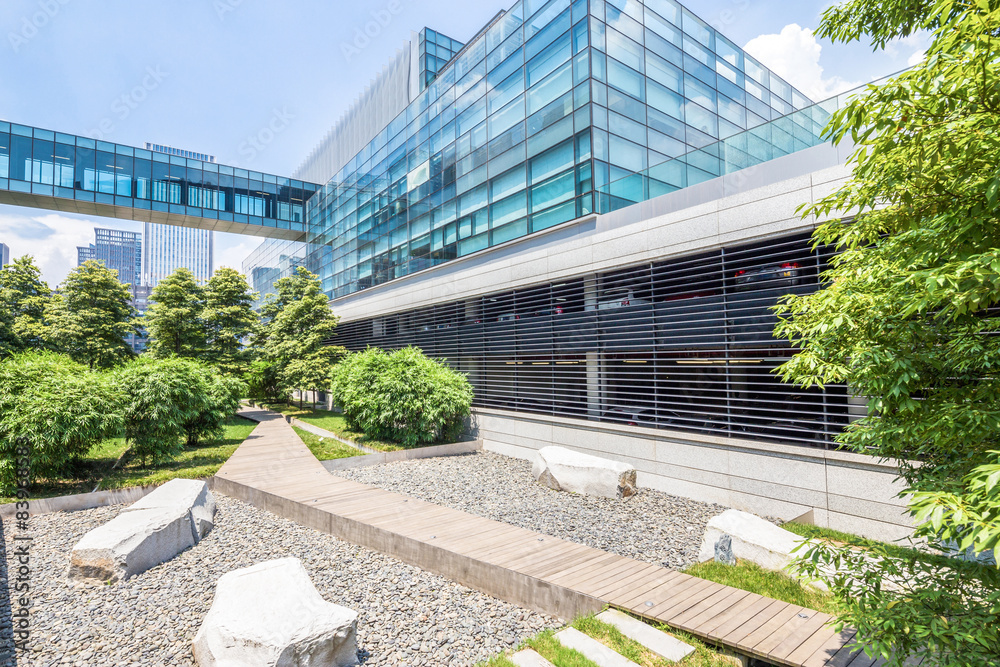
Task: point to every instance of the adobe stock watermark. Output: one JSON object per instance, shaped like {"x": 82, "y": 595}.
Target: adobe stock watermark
{"x": 255, "y": 143}
{"x": 223, "y": 7}
{"x": 123, "y": 106}
{"x": 728, "y": 17}
{"x": 363, "y": 36}
{"x": 31, "y": 25}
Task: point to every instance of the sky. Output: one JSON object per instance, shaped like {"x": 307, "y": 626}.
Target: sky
{"x": 210, "y": 75}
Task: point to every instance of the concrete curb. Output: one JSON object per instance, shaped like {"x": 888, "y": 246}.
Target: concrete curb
{"x": 454, "y": 449}
{"x": 82, "y": 501}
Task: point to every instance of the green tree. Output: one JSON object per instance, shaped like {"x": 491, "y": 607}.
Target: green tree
{"x": 23, "y": 295}
{"x": 908, "y": 317}
{"x": 229, "y": 320}
{"x": 173, "y": 319}
{"x": 57, "y": 408}
{"x": 91, "y": 316}
{"x": 172, "y": 401}
{"x": 300, "y": 320}
{"x": 402, "y": 396}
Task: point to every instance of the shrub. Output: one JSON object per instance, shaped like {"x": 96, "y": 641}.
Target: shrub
{"x": 55, "y": 406}
{"x": 402, "y": 396}
{"x": 166, "y": 399}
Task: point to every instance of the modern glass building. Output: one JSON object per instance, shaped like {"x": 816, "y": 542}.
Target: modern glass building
{"x": 4, "y": 255}
{"x": 120, "y": 251}
{"x": 169, "y": 248}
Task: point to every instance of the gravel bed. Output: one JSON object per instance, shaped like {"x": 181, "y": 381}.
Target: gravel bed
{"x": 650, "y": 526}
{"x": 406, "y": 616}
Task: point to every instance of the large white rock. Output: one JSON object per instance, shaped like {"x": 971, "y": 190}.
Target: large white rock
{"x": 272, "y": 615}
{"x": 565, "y": 470}
{"x": 151, "y": 531}
{"x": 753, "y": 539}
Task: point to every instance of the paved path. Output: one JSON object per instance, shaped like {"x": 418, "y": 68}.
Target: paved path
{"x": 273, "y": 470}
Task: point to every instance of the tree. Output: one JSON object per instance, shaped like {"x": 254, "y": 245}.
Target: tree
{"x": 57, "y": 408}
{"x": 168, "y": 399}
{"x": 402, "y": 396}
{"x": 293, "y": 339}
{"x": 173, "y": 319}
{"x": 229, "y": 320}
{"x": 908, "y": 317}
{"x": 91, "y": 316}
{"x": 23, "y": 295}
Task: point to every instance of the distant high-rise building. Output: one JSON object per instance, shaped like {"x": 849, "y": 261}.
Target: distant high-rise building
{"x": 119, "y": 250}
{"x": 169, "y": 248}
{"x": 4, "y": 255}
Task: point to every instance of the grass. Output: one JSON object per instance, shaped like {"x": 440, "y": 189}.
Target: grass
{"x": 325, "y": 449}
{"x": 546, "y": 645}
{"x": 335, "y": 423}
{"x": 831, "y": 535}
{"x": 97, "y": 467}
{"x": 778, "y": 585}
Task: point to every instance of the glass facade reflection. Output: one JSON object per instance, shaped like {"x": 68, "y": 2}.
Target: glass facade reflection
{"x": 542, "y": 118}
{"x": 42, "y": 162}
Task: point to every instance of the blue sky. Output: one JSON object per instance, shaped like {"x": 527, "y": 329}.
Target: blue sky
{"x": 207, "y": 75}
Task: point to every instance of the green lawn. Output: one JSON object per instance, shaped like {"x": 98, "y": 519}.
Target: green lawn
{"x": 546, "y": 645}
{"x": 326, "y": 448}
{"x": 334, "y": 422}
{"x": 831, "y": 535}
{"x": 96, "y": 467}
{"x": 752, "y": 577}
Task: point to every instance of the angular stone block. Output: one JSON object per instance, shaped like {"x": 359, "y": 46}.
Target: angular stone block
{"x": 153, "y": 530}
{"x": 565, "y": 470}
{"x": 751, "y": 538}
{"x": 271, "y": 615}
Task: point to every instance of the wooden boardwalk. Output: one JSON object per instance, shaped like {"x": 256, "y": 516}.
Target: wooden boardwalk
{"x": 275, "y": 471}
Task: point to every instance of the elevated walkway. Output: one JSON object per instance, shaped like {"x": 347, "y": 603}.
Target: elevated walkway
{"x": 273, "y": 470}
{"x": 63, "y": 172}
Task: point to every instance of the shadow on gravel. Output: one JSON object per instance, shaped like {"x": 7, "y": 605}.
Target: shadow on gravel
{"x": 8, "y": 657}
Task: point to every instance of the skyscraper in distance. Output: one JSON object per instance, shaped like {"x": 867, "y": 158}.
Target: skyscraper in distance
{"x": 4, "y": 255}
{"x": 120, "y": 251}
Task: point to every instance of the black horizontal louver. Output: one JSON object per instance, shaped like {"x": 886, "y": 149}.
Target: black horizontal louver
{"x": 684, "y": 344}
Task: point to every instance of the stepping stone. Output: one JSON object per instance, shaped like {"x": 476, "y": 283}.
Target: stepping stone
{"x": 592, "y": 649}
{"x": 657, "y": 641}
{"x": 528, "y": 658}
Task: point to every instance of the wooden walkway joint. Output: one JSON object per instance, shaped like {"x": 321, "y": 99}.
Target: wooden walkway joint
{"x": 275, "y": 471}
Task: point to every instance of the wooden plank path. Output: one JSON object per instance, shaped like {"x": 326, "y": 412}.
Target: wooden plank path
{"x": 275, "y": 471}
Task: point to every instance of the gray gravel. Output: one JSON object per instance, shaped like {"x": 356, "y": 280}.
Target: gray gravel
{"x": 651, "y": 526}
{"x": 407, "y": 616}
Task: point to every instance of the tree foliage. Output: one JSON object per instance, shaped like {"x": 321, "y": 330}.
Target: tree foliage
{"x": 91, "y": 316}
{"x": 229, "y": 320}
{"x": 23, "y": 295}
{"x": 292, "y": 341}
{"x": 909, "y": 318}
{"x": 173, "y": 319}
{"x": 57, "y": 407}
{"x": 173, "y": 400}
{"x": 401, "y": 396}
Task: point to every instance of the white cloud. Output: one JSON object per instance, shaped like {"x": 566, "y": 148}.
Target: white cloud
{"x": 794, "y": 54}
{"x": 51, "y": 238}
{"x": 232, "y": 249}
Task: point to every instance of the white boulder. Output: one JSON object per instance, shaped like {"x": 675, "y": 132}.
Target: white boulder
{"x": 565, "y": 470}
{"x": 753, "y": 539}
{"x": 153, "y": 530}
{"x": 272, "y": 615}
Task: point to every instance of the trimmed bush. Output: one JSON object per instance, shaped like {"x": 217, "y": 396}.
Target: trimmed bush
{"x": 167, "y": 399}
{"x": 55, "y": 406}
{"x": 401, "y": 396}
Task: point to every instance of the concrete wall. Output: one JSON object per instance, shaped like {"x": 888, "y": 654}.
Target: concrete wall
{"x": 844, "y": 491}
